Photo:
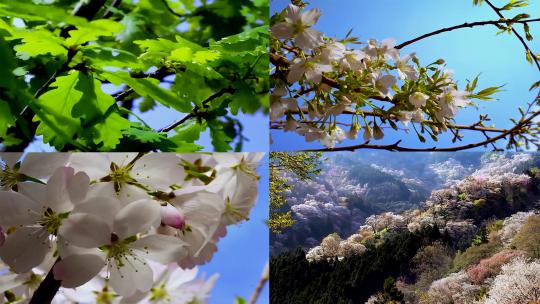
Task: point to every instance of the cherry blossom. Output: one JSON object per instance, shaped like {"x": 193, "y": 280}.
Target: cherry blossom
{"x": 112, "y": 237}
{"x": 297, "y": 25}
{"x": 104, "y": 218}
{"x": 37, "y": 217}
{"x": 366, "y": 82}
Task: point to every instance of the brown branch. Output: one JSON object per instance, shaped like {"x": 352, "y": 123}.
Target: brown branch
{"x": 47, "y": 289}
{"x": 396, "y": 147}
{"x": 474, "y": 127}
{"x": 168, "y": 7}
{"x": 464, "y": 25}
{"x": 195, "y": 111}
{"x": 527, "y": 49}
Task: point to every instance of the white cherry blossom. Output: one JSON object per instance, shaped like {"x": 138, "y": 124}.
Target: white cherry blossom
{"x": 418, "y": 99}
{"x": 108, "y": 237}
{"x": 297, "y": 25}
{"x": 312, "y": 68}
{"x": 36, "y": 214}
{"x": 14, "y": 168}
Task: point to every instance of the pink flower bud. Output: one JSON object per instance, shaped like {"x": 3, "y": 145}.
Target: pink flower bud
{"x": 172, "y": 217}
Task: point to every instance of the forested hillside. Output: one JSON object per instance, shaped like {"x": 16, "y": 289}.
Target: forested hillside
{"x": 465, "y": 244}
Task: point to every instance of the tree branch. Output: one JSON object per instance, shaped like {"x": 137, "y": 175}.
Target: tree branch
{"x": 474, "y": 127}
{"x": 168, "y": 7}
{"x": 109, "y": 12}
{"x": 194, "y": 113}
{"x": 464, "y": 25}
{"x": 47, "y": 289}
{"x": 517, "y": 129}
{"x": 527, "y": 49}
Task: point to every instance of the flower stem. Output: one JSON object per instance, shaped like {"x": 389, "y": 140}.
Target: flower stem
{"x": 47, "y": 289}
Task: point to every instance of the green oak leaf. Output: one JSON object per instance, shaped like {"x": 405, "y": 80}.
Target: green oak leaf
{"x": 189, "y": 131}
{"x": 148, "y": 87}
{"x": 38, "y": 42}
{"x": 76, "y": 102}
{"x": 220, "y": 140}
{"x": 91, "y": 32}
{"x": 6, "y": 118}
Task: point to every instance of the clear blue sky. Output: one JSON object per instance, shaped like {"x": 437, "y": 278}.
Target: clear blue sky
{"x": 468, "y": 52}
{"x": 243, "y": 253}
{"x": 255, "y": 128}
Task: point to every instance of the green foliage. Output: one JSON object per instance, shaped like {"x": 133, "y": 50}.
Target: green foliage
{"x": 390, "y": 294}
{"x": 284, "y": 165}
{"x": 474, "y": 254}
{"x": 352, "y": 280}
{"x": 431, "y": 263}
{"x": 528, "y": 238}
{"x": 494, "y": 225}
{"x": 57, "y": 57}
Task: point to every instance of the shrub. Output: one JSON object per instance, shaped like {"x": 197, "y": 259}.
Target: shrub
{"x": 528, "y": 238}
{"x": 430, "y": 263}
{"x": 491, "y": 266}
{"x": 474, "y": 254}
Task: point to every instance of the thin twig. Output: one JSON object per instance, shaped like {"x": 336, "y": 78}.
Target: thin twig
{"x": 527, "y": 49}
{"x": 464, "y": 25}
{"x": 474, "y": 127}
{"x": 258, "y": 290}
{"x": 110, "y": 12}
{"x": 195, "y": 110}
{"x": 168, "y": 7}
{"x": 517, "y": 129}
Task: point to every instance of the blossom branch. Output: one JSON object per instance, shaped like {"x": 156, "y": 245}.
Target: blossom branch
{"x": 196, "y": 109}
{"x": 524, "y": 122}
{"x": 473, "y": 127}
{"x": 464, "y": 25}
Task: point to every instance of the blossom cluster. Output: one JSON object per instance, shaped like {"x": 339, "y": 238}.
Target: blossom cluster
{"x": 333, "y": 247}
{"x": 517, "y": 280}
{"x": 375, "y": 84}
{"x": 123, "y": 222}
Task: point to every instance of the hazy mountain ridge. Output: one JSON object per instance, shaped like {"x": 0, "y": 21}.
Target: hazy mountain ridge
{"x": 352, "y": 187}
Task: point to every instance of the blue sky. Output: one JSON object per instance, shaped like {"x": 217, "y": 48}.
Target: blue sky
{"x": 467, "y": 52}
{"x": 255, "y": 128}
{"x": 243, "y": 253}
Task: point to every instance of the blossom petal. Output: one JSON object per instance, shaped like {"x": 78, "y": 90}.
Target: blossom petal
{"x": 137, "y": 217}
{"x": 85, "y": 230}
{"x": 283, "y": 30}
{"x": 129, "y": 275}
{"x": 103, "y": 207}
{"x": 75, "y": 270}
{"x": 39, "y": 165}
{"x": 159, "y": 171}
{"x": 162, "y": 248}
{"x": 17, "y": 209}
{"x": 293, "y": 12}
{"x": 58, "y": 188}
{"x": 310, "y": 17}
{"x": 25, "y": 248}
